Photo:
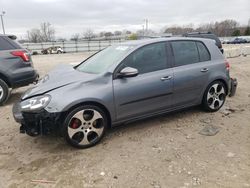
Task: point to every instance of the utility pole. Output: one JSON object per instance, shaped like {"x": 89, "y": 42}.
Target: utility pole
{"x": 143, "y": 31}
{"x": 146, "y": 26}
{"x": 3, "y": 13}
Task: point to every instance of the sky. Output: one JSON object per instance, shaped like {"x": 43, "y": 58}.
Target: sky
{"x": 74, "y": 16}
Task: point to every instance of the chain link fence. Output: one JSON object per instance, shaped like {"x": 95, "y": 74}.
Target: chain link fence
{"x": 72, "y": 46}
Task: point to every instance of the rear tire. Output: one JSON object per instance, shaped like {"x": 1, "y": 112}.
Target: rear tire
{"x": 4, "y": 92}
{"x": 214, "y": 96}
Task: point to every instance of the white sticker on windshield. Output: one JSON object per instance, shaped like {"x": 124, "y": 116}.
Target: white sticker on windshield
{"x": 123, "y": 48}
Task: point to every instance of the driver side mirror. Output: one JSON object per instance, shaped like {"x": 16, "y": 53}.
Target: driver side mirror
{"x": 128, "y": 72}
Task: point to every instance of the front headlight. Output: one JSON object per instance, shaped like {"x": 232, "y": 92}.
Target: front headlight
{"x": 35, "y": 103}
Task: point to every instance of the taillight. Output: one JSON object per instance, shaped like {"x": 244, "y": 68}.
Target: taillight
{"x": 21, "y": 54}
{"x": 227, "y": 65}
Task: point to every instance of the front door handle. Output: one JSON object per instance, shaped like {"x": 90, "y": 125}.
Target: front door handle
{"x": 204, "y": 70}
{"x": 166, "y": 78}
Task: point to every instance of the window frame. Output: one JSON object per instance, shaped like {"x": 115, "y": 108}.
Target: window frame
{"x": 196, "y": 41}
{"x": 168, "y": 61}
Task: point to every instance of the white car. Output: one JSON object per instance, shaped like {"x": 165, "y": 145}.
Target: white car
{"x": 53, "y": 50}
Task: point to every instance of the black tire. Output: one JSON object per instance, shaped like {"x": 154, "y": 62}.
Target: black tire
{"x": 218, "y": 98}
{"x": 4, "y": 92}
{"x": 71, "y": 119}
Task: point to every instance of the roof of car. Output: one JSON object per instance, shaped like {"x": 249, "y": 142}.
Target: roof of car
{"x": 150, "y": 41}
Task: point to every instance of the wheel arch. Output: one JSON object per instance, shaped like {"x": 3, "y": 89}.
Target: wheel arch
{"x": 94, "y": 103}
{"x": 5, "y": 79}
{"x": 224, "y": 82}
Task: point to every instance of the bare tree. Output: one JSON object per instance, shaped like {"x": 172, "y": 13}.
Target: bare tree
{"x": 108, "y": 34}
{"x": 34, "y": 35}
{"x": 178, "y": 30}
{"x": 47, "y": 32}
{"x": 128, "y": 32}
{"x": 117, "y": 33}
{"x": 223, "y": 28}
{"x": 88, "y": 34}
{"x": 75, "y": 37}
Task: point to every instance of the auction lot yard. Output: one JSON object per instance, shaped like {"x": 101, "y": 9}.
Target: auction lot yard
{"x": 165, "y": 151}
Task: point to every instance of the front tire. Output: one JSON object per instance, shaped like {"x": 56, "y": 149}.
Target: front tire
{"x": 4, "y": 92}
{"x": 214, "y": 96}
{"x": 85, "y": 126}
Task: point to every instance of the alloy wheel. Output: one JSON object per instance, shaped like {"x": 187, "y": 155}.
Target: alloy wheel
{"x": 85, "y": 127}
{"x": 216, "y": 96}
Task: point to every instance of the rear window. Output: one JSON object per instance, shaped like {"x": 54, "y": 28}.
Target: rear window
{"x": 5, "y": 45}
{"x": 185, "y": 52}
{"x": 203, "y": 52}
{"x": 8, "y": 44}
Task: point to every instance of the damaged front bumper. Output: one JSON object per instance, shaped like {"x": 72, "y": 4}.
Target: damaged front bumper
{"x": 34, "y": 124}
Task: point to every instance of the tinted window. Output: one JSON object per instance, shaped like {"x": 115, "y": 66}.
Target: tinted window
{"x": 5, "y": 44}
{"x": 148, "y": 58}
{"x": 185, "y": 52}
{"x": 204, "y": 54}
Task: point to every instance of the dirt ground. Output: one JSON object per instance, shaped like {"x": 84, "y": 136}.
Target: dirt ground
{"x": 165, "y": 151}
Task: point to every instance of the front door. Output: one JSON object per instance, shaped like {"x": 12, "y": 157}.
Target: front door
{"x": 151, "y": 90}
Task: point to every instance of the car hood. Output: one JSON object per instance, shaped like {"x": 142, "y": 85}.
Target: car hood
{"x": 62, "y": 76}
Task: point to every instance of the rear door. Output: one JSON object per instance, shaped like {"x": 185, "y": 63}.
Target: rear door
{"x": 151, "y": 90}
{"x": 191, "y": 71}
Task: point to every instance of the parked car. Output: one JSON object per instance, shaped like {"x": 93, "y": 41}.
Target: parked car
{"x": 53, "y": 50}
{"x": 208, "y": 35}
{"x": 16, "y": 67}
{"x": 237, "y": 41}
{"x": 124, "y": 83}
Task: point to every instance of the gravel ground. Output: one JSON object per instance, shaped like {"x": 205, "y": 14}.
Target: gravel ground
{"x": 165, "y": 151}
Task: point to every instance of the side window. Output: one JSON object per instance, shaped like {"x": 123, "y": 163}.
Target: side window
{"x": 204, "y": 54}
{"x": 5, "y": 45}
{"x": 148, "y": 58}
{"x": 185, "y": 52}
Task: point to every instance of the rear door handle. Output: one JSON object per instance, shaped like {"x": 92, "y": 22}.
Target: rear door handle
{"x": 166, "y": 78}
{"x": 204, "y": 70}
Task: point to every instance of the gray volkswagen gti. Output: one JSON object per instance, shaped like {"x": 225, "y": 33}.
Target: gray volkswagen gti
{"x": 124, "y": 83}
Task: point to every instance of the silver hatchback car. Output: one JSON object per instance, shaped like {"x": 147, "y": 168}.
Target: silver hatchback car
{"x": 124, "y": 83}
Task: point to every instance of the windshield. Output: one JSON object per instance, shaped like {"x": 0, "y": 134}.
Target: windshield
{"x": 104, "y": 59}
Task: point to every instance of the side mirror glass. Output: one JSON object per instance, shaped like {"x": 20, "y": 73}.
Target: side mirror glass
{"x": 128, "y": 72}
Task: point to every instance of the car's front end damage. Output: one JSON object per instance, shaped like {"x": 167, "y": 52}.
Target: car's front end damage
{"x": 42, "y": 109}
{"x": 36, "y": 123}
